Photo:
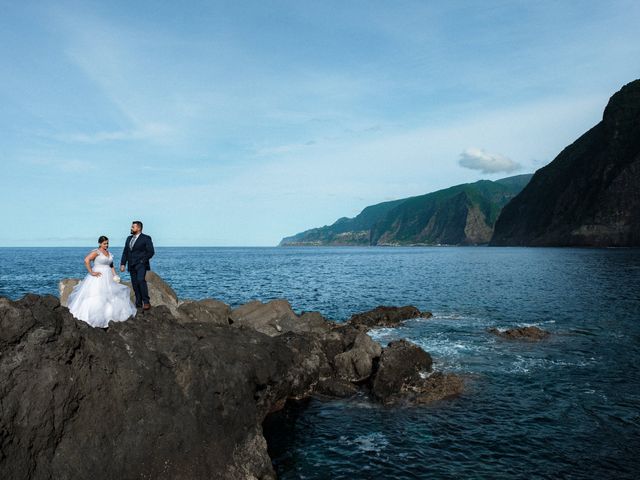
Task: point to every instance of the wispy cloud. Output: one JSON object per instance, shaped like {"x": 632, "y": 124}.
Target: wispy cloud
{"x": 66, "y": 166}
{"x": 150, "y": 131}
{"x": 113, "y": 59}
{"x": 254, "y": 122}
{"x": 478, "y": 159}
{"x": 285, "y": 149}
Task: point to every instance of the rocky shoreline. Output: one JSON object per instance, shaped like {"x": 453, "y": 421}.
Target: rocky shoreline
{"x": 182, "y": 391}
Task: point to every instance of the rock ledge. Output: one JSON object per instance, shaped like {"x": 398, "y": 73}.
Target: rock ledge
{"x": 181, "y": 391}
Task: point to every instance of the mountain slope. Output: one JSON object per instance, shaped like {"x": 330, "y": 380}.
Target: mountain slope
{"x": 345, "y": 231}
{"x": 590, "y": 194}
{"x": 459, "y": 215}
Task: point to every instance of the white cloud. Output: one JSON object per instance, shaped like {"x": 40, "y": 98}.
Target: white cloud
{"x": 478, "y": 159}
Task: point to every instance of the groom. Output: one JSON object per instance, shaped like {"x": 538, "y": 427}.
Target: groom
{"x": 137, "y": 251}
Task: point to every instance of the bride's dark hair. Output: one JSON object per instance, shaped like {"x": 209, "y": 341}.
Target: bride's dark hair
{"x": 102, "y": 239}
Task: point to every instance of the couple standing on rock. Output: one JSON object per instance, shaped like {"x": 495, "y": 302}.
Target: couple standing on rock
{"x": 99, "y": 297}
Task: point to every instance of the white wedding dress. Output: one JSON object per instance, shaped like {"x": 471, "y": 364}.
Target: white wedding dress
{"x": 98, "y": 300}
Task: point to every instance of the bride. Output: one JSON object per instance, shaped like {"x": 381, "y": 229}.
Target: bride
{"x": 99, "y": 297}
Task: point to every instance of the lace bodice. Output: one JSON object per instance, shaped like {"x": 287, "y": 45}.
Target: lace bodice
{"x": 102, "y": 260}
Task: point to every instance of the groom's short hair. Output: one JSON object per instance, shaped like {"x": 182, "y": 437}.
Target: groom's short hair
{"x": 138, "y": 222}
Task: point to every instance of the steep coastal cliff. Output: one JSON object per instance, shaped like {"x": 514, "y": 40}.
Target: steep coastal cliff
{"x": 589, "y": 195}
{"x": 460, "y": 215}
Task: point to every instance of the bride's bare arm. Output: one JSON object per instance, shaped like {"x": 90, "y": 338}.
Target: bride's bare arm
{"x": 87, "y": 263}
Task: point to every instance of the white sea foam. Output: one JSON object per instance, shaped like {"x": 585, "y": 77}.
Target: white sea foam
{"x": 527, "y": 364}
{"x": 371, "y": 442}
{"x": 535, "y": 324}
{"x": 459, "y": 342}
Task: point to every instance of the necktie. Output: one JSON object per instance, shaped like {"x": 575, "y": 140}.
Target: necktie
{"x": 133, "y": 240}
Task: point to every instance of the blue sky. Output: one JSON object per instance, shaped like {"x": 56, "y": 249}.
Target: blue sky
{"x": 238, "y": 123}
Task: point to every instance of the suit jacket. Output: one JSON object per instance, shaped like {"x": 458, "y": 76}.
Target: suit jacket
{"x": 140, "y": 254}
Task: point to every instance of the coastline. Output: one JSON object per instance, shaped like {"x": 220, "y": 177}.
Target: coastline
{"x": 192, "y": 373}
{"x": 467, "y": 291}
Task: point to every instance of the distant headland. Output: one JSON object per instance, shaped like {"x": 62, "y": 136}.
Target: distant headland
{"x": 589, "y": 195}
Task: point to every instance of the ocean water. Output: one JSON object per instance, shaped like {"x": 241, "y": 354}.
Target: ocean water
{"x": 567, "y": 407}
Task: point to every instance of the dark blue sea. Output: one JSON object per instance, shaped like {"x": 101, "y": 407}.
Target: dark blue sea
{"x": 567, "y": 407}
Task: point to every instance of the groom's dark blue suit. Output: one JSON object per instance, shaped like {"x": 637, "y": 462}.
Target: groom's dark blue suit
{"x": 138, "y": 260}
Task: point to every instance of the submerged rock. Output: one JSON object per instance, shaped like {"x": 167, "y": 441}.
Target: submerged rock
{"x": 521, "y": 333}
{"x": 384, "y": 316}
{"x": 435, "y": 387}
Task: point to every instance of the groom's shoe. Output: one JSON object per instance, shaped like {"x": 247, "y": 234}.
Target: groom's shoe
{"x": 146, "y": 306}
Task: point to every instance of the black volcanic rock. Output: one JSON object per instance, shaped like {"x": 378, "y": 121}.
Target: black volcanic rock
{"x": 357, "y": 363}
{"x": 147, "y": 398}
{"x": 589, "y": 195}
{"x": 400, "y": 365}
{"x": 167, "y": 396}
{"x": 207, "y": 310}
{"x": 335, "y": 387}
{"x": 521, "y": 333}
{"x": 384, "y": 316}
{"x": 405, "y": 376}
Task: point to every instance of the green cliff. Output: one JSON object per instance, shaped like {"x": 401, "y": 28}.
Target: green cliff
{"x": 460, "y": 215}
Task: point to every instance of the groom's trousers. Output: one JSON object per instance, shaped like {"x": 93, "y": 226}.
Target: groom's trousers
{"x": 139, "y": 284}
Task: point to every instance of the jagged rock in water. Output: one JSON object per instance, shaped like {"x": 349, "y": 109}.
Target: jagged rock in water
{"x": 400, "y": 364}
{"x": 589, "y": 195}
{"x": 365, "y": 343}
{"x": 521, "y": 333}
{"x": 169, "y": 396}
{"x": 356, "y": 364}
{"x": 404, "y": 376}
{"x": 435, "y": 387}
{"x": 384, "y": 316}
